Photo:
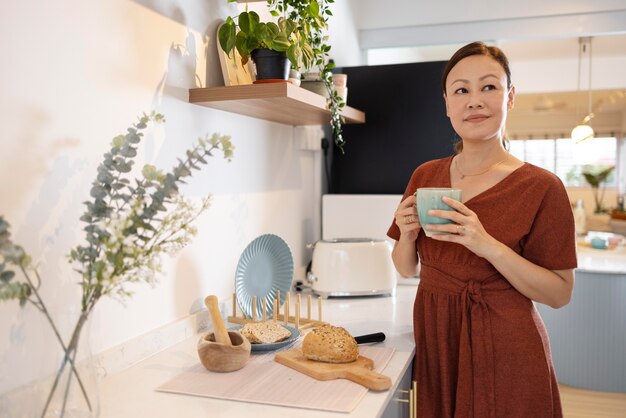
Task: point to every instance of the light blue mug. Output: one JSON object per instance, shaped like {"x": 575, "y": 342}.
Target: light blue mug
{"x": 599, "y": 243}
{"x": 427, "y": 198}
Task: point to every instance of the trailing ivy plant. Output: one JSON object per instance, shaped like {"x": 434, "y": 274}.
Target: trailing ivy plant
{"x": 130, "y": 223}
{"x": 311, "y": 18}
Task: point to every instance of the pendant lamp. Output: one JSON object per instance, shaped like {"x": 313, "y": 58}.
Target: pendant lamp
{"x": 583, "y": 130}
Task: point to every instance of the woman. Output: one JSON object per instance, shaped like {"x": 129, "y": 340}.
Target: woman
{"x": 482, "y": 349}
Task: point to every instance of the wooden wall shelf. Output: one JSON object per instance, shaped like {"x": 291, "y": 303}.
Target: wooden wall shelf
{"x": 277, "y": 102}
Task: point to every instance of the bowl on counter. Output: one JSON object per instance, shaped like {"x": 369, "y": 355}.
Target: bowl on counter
{"x": 603, "y": 240}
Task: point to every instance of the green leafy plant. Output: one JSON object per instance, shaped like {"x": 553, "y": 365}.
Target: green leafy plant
{"x": 311, "y": 18}
{"x": 301, "y": 32}
{"x": 249, "y": 33}
{"x": 130, "y": 225}
{"x": 596, "y": 180}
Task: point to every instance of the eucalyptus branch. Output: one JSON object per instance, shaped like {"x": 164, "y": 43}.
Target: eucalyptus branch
{"x": 128, "y": 227}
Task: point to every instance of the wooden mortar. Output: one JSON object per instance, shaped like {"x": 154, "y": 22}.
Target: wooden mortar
{"x": 222, "y": 350}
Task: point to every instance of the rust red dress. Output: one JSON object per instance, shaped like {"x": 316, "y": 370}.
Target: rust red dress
{"x": 482, "y": 350}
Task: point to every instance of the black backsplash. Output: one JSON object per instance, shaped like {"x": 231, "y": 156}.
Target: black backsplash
{"x": 406, "y": 125}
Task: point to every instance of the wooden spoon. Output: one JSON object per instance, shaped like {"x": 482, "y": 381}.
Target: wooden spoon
{"x": 219, "y": 329}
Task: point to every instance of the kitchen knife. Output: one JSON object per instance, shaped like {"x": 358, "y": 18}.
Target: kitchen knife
{"x": 370, "y": 338}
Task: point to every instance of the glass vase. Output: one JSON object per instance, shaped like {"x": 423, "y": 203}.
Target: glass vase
{"x": 72, "y": 390}
{"x": 48, "y": 367}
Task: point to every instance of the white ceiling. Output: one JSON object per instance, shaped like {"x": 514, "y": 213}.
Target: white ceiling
{"x": 556, "y": 113}
{"x": 540, "y": 38}
{"x": 603, "y": 46}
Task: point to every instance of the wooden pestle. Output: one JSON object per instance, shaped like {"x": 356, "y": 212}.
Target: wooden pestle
{"x": 219, "y": 329}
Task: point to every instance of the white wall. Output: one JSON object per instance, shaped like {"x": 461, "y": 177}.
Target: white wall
{"x": 74, "y": 75}
{"x": 343, "y": 34}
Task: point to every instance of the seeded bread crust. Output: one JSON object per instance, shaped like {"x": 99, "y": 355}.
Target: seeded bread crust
{"x": 264, "y": 332}
{"x": 330, "y": 344}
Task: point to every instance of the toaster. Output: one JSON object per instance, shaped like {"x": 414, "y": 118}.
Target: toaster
{"x": 352, "y": 267}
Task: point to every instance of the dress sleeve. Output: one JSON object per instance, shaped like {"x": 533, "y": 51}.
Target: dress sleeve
{"x": 551, "y": 242}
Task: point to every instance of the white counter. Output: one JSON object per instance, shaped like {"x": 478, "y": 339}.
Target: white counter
{"x": 607, "y": 261}
{"x": 131, "y": 393}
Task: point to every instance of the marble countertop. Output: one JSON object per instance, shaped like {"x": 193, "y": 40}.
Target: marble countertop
{"x": 131, "y": 392}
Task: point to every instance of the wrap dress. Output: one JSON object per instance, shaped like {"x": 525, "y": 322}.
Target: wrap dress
{"x": 482, "y": 350}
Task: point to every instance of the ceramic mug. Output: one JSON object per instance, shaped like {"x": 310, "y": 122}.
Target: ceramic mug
{"x": 427, "y": 198}
{"x": 599, "y": 243}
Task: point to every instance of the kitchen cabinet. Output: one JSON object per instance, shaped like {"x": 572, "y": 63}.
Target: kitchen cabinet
{"x": 400, "y": 405}
{"x": 588, "y": 335}
{"x": 278, "y": 102}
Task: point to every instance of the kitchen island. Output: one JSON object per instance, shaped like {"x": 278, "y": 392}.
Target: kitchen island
{"x": 131, "y": 392}
{"x": 588, "y": 336}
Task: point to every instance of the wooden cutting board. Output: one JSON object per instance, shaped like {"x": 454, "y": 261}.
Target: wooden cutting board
{"x": 358, "y": 371}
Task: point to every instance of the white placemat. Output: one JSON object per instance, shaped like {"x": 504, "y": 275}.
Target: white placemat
{"x": 263, "y": 380}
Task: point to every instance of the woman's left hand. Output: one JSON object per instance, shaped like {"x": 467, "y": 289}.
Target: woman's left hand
{"x": 466, "y": 230}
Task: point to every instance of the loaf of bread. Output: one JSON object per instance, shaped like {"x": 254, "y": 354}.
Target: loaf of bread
{"x": 330, "y": 344}
{"x": 264, "y": 332}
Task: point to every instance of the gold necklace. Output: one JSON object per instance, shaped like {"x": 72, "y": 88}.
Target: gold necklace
{"x": 463, "y": 175}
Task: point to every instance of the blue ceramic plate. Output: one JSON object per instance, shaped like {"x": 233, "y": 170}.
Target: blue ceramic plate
{"x": 265, "y": 266}
{"x": 273, "y": 346}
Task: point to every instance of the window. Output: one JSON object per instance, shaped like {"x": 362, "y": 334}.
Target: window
{"x": 569, "y": 160}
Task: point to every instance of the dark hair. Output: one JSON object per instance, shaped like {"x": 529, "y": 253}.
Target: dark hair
{"x": 477, "y": 48}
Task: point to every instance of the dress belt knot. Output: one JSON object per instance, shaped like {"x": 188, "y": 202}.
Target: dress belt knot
{"x": 472, "y": 292}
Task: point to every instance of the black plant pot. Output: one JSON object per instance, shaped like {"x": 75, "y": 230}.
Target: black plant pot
{"x": 270, "y": 64}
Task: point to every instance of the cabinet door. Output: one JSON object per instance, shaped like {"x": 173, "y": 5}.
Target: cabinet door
{"x": 399, "y": 405}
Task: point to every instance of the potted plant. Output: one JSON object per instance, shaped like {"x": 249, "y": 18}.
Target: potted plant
{"x": 274, "y": 47}
{"x": 300, "y": 35}
{"x": 596, "y": 181}
{"x": 311, "y": 19}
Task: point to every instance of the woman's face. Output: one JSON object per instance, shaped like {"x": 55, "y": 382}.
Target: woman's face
{"x": 477, "y": 98}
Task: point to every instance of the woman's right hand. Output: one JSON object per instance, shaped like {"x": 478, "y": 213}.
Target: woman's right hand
{"x": 407, "y": 220}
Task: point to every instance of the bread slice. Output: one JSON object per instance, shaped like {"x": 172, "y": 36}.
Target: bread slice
{"x": 330, "y": 344}
{"x": 264, "y": 332}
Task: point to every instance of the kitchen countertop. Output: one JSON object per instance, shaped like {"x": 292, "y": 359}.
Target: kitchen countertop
{"x": 591, "y": 260}
{"x": 131, "y": 392}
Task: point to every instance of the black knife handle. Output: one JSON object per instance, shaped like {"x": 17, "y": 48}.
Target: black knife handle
{"x": 370, "y": 338}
